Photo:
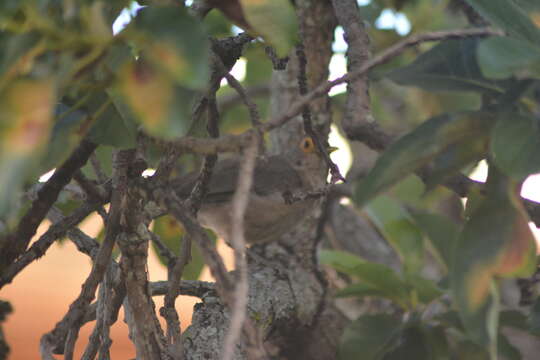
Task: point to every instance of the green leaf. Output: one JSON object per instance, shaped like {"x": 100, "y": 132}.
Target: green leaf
{"x": 104, "y": 156}
{"x": 513, "y": 318}
{"x": 425, "y": 290}
{"x": 175, "y": 42}
{"x": 370, "y": 337}
{"x": 147, "y": 94}
{"x": 419, "y": 147}
{"x": 18, "y": 53}
{"x": 258, "y": 68}
{"x": 360, "y": 290}
{"x": 449, "y": 66}
{"x": 64, "y": 136}
{"x": 470, "y": 351}
{"x": 171, "y": 234}
{"x": 437, "y": 343}
{"x": 506, "y": 349}
{"x": 395, "y": 224}
{"x": 379, "y": 277}
{"x": 515, "y": 144}
{"x": 501, "y": 57}
{"x": 455, "y": 158}
{"x": 441, "y": 232}
{"x": 495, "y": 241}
{"x": 110, "y": 127}
{"x": 534, "y": 318}
{"x": 274, "y": 20}
{"x": 412, "y": 345}
{"x": 509, "y": 17}
{"x": 25, "y": 122}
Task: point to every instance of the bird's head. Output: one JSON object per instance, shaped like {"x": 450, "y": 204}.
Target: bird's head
{"x": 308, "y": 160}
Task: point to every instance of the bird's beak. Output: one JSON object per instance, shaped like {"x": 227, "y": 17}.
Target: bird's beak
{"x": 331, "y": 149}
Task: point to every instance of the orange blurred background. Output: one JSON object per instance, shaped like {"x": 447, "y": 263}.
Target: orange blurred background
{"x": 41, "y": 294}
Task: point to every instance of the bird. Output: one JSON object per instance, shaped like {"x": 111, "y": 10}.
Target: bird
{"x": 269, "y": 214}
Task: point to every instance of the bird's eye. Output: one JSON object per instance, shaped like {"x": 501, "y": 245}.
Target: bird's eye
{"x": 307, "y": 145}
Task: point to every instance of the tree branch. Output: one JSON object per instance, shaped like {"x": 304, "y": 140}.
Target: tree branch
{"x": 357, "y": 106}
{"x": 15, "y": 244}
{"x": 238, "y": 242}
{"x": 54, "y": 340}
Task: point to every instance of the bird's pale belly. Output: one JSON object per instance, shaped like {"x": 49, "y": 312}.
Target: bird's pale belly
{"x": 266, "y": 219}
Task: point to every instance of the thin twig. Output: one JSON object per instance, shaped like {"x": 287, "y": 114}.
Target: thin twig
{"x": 196, "y": 232}
{"x": 235, "y": 143}
{"x": 163, "y": 249}
{"x": 200, "y": 188}
{"x": 38, "y": 248}
{"x": 16, "y": 243}
{"x": 98, "y": 170}
{"x": 252, "y": 107}
{"x": 194, "y": 288}
{"x": 238, "y": 242}
{"x": 90, "y": 188}
{"x": 54, "y": 340}
{"x": 306, "y": 116}
{"x": 227, "y": 102}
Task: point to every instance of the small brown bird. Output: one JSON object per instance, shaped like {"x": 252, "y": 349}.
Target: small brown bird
{"x": 268, "y": 215}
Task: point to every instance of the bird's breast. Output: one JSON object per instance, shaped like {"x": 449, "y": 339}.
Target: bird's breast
{"x": 266, "y": 217}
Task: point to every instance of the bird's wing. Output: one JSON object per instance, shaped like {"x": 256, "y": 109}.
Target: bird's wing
{"x": 272, "y": 175}
{"x": 275, "y": 174}
{"x": 222, "y": 183}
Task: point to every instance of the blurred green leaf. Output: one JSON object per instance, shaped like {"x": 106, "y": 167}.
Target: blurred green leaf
{"x": 509, "y": 17}
{"x": 110, "y": 127}
{"x": 64, "y": 136}
{"x": 534, "y": 318}
{"x": 412, "y": 345}
{"x": 506, "y": 349}
{"x": 395, "y": 224}
{"x": 528, "y": 5}
{"x": 448, "y": 66}
{"x": 515, "y": 144}
{"x": 370, "y": 337}
{"x": 501, "y": 57}
{"x": 258, "y": 66}
{"x": 371, "y": 11}
{"x": 360, "y": 290}
{"x": 437, "y": 343}
{"x": 27, "y": 107}
{"x": 425, "y": 290}
{"x": 410, "y": 191}
{"x": 419, "y": 147}
{"x": 513, "y": 318}
{"x": 104, "y": 157}
{"x": 171, "y": 235}
{"x": 274, "y": 20}
{"x": 175, "y": 42}
{"x": 441, "y": 232}
{"x": 457, "y": 156}
{"x": 217, "y": 25}
{"x": 495, "y": 241}
{"x": 18, "y": 53}
{"x": 379, "y": 277}
{"x": 470, "y": 351}
{"x": 146, "y": 93}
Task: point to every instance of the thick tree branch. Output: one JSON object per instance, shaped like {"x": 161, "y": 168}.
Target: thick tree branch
{"x": 357, "y": 106}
